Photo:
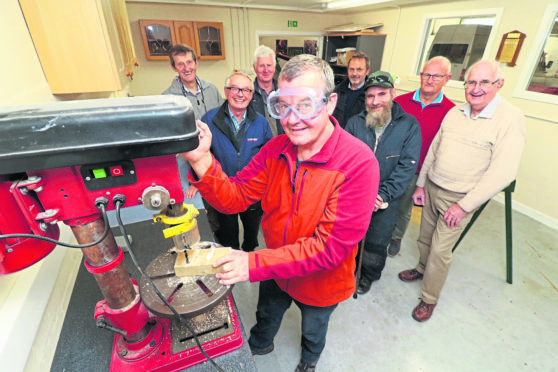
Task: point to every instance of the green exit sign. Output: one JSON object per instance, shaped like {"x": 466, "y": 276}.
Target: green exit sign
{"x": 292, "y": 23}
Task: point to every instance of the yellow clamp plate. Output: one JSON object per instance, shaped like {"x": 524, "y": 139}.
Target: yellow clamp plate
{"x": 181, "y": 224}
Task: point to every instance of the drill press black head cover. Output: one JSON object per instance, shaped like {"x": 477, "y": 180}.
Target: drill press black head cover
{"x": 60, "y": 134}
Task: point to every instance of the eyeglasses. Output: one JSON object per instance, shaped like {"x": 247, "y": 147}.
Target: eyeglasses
{"x": 435, "y": 77}
{"x": 302, "y": 102}
{"x": 236, "y": 90}
{"x": 483, "y": 84}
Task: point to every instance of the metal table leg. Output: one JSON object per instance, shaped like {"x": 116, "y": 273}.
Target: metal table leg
{"x": 509, "y": 239}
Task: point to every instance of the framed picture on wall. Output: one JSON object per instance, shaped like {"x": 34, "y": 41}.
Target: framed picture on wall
{"x": 158, "y": 38}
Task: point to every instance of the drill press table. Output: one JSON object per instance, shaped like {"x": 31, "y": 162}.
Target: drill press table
{"x": 84, "y": 347}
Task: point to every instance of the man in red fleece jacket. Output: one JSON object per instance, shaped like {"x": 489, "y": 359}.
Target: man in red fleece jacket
{"x": 317, "y": 185}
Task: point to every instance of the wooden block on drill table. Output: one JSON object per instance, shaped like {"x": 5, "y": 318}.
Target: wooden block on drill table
{"x": 200, "y": 261}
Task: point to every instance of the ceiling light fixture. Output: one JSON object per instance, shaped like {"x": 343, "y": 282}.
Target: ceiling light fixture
{"x": 353, "y": 3}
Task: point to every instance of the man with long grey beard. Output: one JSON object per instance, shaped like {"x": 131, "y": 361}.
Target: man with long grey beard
{"x": 395, "y": 138}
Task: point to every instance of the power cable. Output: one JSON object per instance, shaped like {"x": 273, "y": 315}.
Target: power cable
{"x": 159, "y": 294}
{"x": 100, "y": 206}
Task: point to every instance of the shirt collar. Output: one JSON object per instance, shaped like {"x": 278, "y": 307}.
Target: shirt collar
{"x": 383, "y": 127}
{"x": 486, "y": 113}
{"x": 388, "y": 123}
{"x": 234, "y": 120}
{"x": 261, "y": 90}
{"x": 416, "y": 97}
{"x": 360, "y": 86}
{"x": 185, "y": 89}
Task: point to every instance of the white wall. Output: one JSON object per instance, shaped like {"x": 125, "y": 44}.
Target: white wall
{"x": 240, "y": 27}
{"x": 536, "y": 181}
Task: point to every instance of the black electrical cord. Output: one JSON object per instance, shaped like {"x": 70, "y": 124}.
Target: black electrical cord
{"x": 132, "y": 256}
{"x": 101, "y": 206}
{"x": 159, "y": 294}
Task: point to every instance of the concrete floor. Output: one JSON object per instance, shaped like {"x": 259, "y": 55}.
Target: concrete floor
{"x": 480, "y": 324}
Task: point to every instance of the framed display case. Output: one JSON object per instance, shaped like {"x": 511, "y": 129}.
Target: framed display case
{"x": 206, "y": 38}
{"x": 158, "y": 38}
{"x": 209, "y": 40}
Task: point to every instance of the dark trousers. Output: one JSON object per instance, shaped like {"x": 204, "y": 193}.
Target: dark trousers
{"x": 212, "y": 217}
{"x": 272, "y": 304}
{"x": 228, "y": 231}
{"x": 377, "y": 239}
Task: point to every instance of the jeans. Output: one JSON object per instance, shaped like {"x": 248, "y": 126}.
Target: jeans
{"x": 272, "y": 304}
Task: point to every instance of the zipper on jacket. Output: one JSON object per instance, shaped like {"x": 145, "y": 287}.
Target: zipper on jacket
{"x": 242, "y": 143}
{"x": 293, "y": 187}
{"x": 380, "y": 143}
{"x": 294, "y": 177}
{"x": 300, "y": 190}
{"x": 297, "y": 198}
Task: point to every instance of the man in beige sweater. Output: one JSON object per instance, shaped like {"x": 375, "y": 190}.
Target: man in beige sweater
{"x": 475, "y": 155}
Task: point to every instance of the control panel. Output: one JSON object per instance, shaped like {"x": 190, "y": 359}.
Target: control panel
{"x": 108, "y": 175}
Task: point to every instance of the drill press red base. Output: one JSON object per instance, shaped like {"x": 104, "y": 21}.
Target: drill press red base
{"x": 161, "y": 354}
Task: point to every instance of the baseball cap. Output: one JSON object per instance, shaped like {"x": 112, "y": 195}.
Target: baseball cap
{"x": 379, "y": 79}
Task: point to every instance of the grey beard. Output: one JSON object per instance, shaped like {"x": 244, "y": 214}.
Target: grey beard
{"x": 377, "y": 119}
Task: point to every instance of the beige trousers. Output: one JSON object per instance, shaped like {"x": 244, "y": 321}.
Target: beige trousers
{"x": 436, "y": 239}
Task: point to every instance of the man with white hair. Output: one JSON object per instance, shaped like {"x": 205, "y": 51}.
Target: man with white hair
{"x": 474, "y": 156}
{"x": 264, "y": 84}
{"x": 239, "y": 133}
{"x": 429, "y": 106}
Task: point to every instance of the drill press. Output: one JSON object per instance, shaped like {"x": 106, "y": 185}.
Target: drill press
{"x": 73, "y": 161}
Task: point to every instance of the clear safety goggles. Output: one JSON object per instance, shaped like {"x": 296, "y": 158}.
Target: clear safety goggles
{"x": 303, "y": 102}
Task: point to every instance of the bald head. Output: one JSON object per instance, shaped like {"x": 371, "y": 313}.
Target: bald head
{"x": 493, "y": 66}
{"x": 435, "y": 74}
{"x": 483, "y": 80}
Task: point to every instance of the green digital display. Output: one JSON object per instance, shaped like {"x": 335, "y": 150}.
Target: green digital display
{"x": 99, "y": 173}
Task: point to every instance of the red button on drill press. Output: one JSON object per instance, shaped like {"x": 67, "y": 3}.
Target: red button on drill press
{"x": 116, "y": 170}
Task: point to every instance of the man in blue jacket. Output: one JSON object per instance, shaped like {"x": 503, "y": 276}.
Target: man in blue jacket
{"x": 238, "y": 134}
{"x": 395, "y": 138}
